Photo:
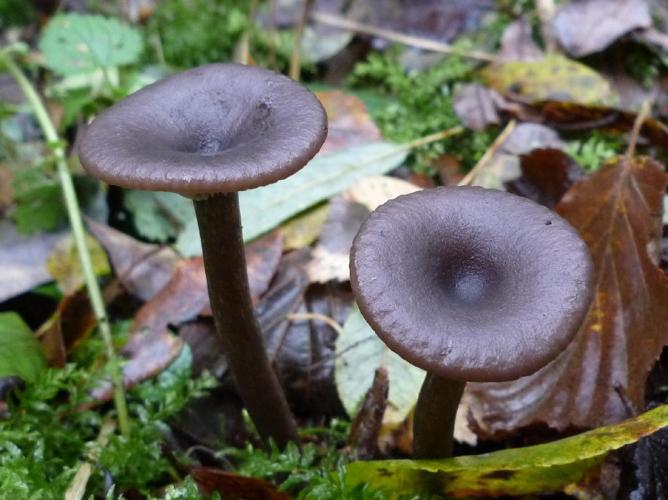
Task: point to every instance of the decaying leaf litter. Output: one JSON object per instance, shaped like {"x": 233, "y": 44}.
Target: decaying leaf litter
{"x": 561, "y": 102}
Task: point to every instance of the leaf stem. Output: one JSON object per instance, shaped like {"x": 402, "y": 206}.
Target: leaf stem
{"x": 76, "y": 223}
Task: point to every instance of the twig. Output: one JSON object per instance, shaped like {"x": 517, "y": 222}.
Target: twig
{"x": 74, "y": 215}
{"x": 473, "y": 173}
{"x": 643, "y": 114}
{"x": 395, "y": 36}
{"x": 77, "y": 488}
{"x": 273, "y": 33}
{"x": 243, "y": 47}
{"x": 296, "y": 59}
{"x": 307, "y": 316}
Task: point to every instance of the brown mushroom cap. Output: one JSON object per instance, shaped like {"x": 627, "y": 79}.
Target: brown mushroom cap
{"x": 471, "y": 284}
{"x": 214, "y": 129}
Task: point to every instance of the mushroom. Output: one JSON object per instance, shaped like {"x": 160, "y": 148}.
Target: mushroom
{"x": 468, "y": 284}
{"x": 207, "y": 133}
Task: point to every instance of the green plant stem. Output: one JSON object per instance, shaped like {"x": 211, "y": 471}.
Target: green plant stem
{"x": 76, "y": 223}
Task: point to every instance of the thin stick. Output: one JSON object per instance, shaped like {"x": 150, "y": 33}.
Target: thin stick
{"x": 77, "y": 487}
{"x": 74, "y": 214}
{"x": 273, "y": 34}
{"x": 243, "y": 47}
{"x": 643, "y": 114}
{"x": 395, "y": 36}
{"x": 307, "y": 316}
{"x": 296, "y": 59}
{"x": 473, "y": 173}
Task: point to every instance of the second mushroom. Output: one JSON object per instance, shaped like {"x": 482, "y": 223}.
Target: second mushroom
{"x": 468, "y": 284}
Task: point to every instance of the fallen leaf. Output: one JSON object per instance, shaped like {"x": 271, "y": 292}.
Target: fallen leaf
{"x": 348, "y": 122}
{"x": 375, "y": 190}
{"x": 159, "y": 216}
{"x": 235, "y": 487}
{"x": 553, "y": 77}
{"x": 546, "y": 175}
{"x": 617, "y": 210}
{"x": 347, "y": 212}
{"x": 529, "y": 136}
{"x": 185, "y": 296}
{"x": 433, "y": 19}
{"x": 23, "y": 260}
{"x": 143, "y": 269}
{"x": 148, "y": 355}
{"x": 359, "y": 352}
{"x": 365, "y": 427}
{"x": 517, "y": 43}
{"x": 304, "y": 229}
{"x": 20, "y": 353}
{"x": 589, "y": 26}
{"x": 330, "y": 257}
{"x": 64, "y": 265}
{"x": 476, "y": 106}
{"x": 535, "y": 469}
{"x": 6, "y": 190}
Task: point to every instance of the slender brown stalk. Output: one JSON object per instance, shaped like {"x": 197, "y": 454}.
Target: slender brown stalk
{"x": 296, "y": 60}
{"x": 435, "y": 413}
{"x": 225, "y": 266}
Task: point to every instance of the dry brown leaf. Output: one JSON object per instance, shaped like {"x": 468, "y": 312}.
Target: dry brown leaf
{"x": 142, "y": 268}
{"x": 185, "y": 296}
{"x": 589, "y": 26}
{"x": 476, "y": 106}
{"x": 617, "y": 211}
{"x": 349, "y": 122}
{"x": 149, "y": 355}
{"x": 517, "y": 43}
{"x": 235, "y": 487}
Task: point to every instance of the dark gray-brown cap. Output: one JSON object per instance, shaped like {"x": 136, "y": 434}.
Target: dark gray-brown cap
{"x": 471, "y": 284}
{"x": 214, "y": 129}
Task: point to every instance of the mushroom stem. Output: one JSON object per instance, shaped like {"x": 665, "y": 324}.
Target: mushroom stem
{"x": 435, "y": 413}
{"x": 219, "y": 223}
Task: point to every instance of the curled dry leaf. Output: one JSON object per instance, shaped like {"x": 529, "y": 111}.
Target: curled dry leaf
{"x": 235, "y": 487}
{"x": 23, "y": 259}
{"x": 529, "y": 136}
{"x": 148, "y": 356}
{"x": 365, "y": 427}
{"x": 476, "y": 106}
{"x": 349, "y": 123}
{"x": 143, "y": 269}
{"x": 589, "y": 26}
{"x": 346, "y": 214}
{"x": 185, "y": 296}
{"x": 546, "y": 175}
{"x": 617, "y": 211}
{"x": 517, "y": 43}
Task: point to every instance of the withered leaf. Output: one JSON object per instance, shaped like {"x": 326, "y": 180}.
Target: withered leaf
{"x": 234, "y": 486}
{"x": 365, "y": 427}
{"x": 148, "y": 355}
{"x": 617, "y": 210}
{"x": 546, "y": 175}
{"x": 529, "y": 136}
{"x": 589, "y": 26}
{"x": 476, "y": 106}
{"x": 517, "y": 43}
{"x": 143, "y": 269}
{"x": 349, "y": 123}
{"x": 185, "y": 296}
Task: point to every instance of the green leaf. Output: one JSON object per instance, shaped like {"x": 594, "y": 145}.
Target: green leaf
{"x": 553, "y": 78}
{"x": 159, "y": 216}
{"x": 358, "y": 353}
{"x": 74, "y": 43}
{"x": 264, "y": 208}
{"x": 520, "y": 471}
{"x": 20, "y": 352}
{"x": 39, "y": 202}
